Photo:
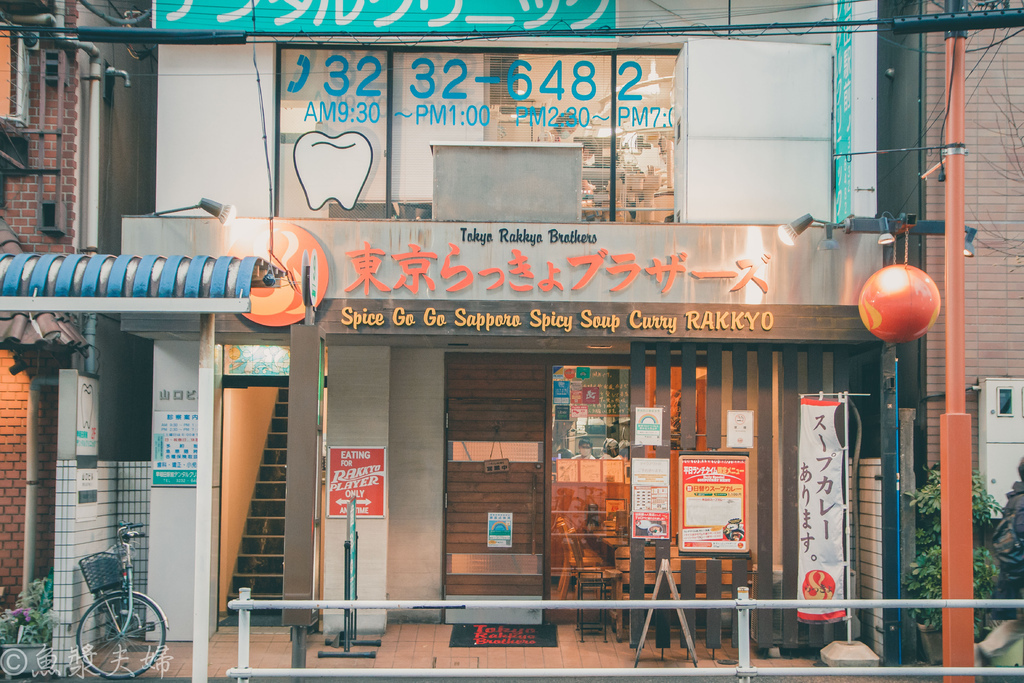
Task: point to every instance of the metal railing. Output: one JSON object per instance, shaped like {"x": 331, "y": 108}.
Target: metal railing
{"x": 743, "y": 670}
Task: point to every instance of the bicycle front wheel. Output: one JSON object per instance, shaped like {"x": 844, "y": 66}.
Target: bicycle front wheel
{"x": 117, "y": 642}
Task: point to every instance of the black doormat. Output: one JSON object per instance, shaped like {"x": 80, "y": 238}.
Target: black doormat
{"x": 502, "y": 635}
{"x": 256, "y": 618}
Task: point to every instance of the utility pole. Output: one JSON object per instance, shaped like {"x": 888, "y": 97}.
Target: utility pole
{"x": 955, "y": 423}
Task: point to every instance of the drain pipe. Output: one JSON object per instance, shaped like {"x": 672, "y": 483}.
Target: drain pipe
{"x": 89, "y": 236}
{"x": 32, "y": 476}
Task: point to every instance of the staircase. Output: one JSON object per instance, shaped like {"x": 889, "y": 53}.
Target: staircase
{"x": 260, "y": 564}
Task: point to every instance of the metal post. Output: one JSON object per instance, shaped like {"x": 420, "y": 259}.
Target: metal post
{"x": 743, "y": 603}
{"x": 955, "y": 424}
{"x": 204, "y": 504}
{"x": 243, "y": 630}
{"x": 850, "y": 474}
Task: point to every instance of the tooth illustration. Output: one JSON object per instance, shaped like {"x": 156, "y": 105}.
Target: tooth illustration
{"x": 332, "y": 167}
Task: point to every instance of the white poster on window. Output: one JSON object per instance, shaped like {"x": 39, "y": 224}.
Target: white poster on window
{"x": 822, "y": 506}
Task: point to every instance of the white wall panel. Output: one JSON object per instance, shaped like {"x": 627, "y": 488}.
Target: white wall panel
{"x": 209, "y": 133}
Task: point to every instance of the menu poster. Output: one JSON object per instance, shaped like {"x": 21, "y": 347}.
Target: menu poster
{"x": 614, "y": 471}
{"x": 650, "y": 484}
{"x": 650, "y": 524}
{"x": 590, "y": 471}
{"x": 567, "y": 470}
{"x": 713, "y": 502}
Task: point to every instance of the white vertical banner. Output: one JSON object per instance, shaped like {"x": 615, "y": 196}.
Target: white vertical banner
{"x": 822, "y": 507}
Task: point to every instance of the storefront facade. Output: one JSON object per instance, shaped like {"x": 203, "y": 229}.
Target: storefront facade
{"x": 514, "y": 249}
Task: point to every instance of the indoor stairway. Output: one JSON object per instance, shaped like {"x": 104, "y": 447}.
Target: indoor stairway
{"x": 260, "y": 564}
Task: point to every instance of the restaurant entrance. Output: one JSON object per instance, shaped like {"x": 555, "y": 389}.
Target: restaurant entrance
{"x": 495, "y": 544}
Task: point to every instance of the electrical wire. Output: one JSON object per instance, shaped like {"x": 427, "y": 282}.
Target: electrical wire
{"x": 266, "y": 144}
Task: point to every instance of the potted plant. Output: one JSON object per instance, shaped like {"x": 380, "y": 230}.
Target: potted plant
{"x": 25, "y": 631}
{"x": 923, "y": 579}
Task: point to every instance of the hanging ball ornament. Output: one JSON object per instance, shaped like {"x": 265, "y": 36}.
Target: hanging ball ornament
{"x": 899, "y": 303}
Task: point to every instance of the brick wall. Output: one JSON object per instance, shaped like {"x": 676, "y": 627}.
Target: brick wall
{"x": 52, "y": 109}
{"x": 13, "y": 417}
{"x": 994, "y": 203}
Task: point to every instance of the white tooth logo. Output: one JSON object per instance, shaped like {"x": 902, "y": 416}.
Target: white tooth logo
{"x": 332, "y": 167}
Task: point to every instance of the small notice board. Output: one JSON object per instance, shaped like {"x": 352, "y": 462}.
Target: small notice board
{"x": 356, "y": 474}
{"x": 713, "y": 503}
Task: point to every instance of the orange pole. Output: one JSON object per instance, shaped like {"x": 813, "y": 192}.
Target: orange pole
{"x": 955, "y": 424}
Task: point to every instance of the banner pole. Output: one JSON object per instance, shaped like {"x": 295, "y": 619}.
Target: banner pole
{"x": 845, "y": 398}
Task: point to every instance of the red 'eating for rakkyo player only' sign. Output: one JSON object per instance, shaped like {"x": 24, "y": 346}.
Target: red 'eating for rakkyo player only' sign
{"x": 355, "y": 474}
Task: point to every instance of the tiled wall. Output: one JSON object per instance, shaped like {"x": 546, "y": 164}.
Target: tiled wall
{"x": 123, "y": 496}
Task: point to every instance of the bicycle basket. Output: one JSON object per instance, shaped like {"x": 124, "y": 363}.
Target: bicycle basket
{"x": 102, "y": 571}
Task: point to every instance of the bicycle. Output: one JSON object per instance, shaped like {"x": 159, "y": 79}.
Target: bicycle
{"x": 124, "y": 632}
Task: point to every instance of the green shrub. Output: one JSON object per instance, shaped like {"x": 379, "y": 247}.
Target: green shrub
{"x": 923, "y": 579}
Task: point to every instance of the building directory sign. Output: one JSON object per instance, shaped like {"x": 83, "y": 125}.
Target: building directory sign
{"x": 175, "y": 448}
{"x": 356, "y": 474}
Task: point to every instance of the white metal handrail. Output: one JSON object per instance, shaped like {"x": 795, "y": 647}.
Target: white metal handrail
{"x": 743, "y": 606}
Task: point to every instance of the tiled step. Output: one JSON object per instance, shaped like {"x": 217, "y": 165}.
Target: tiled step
{"x": 256, "y": 545}
{"x": 263, "y": 585}
{"x": 275, "y": 456}
{"x": 259, "y": 526}
{"x": 273, "y": 507}
{"x": 272, "y": 472}
{"x": 260, "y": 565}
{"x": 269, "y": 490}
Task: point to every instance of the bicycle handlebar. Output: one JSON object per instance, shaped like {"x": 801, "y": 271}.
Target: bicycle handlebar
{"x": 124, "y": 530}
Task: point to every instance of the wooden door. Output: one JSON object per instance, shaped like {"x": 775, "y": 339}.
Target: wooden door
{"x": 496, "y": 411}
{"x": 474, "y": 568}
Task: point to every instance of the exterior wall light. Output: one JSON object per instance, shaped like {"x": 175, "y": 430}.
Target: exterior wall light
{"x": 225, "y": 213}
{"x": 789, "y": 232}
{"x": 969, "y": 234}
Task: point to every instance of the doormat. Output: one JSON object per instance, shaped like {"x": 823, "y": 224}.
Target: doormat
{"x": 256, "y": 618}
{"x": 499, "y": 635}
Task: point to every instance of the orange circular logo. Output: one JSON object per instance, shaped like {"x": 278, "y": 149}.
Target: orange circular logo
{"x": 282, "y": 305}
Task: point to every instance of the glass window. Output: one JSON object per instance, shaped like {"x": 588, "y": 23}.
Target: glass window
{"x": 333, "y": 133}
{"x": 498, "y": 98}
{"x": 645, "y": 138}
{"x": 1005, "y": 401}
{"x": 589, "y": 471}
{"x": 481, "y": 451}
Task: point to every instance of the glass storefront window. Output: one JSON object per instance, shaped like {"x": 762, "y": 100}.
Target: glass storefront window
{"x": 589, "y": 471}
{"x": 333, "y": 132}
{"x": 335, "y": 124}
{"x": 645, "y": 139}
{"x": 498, "y": 98}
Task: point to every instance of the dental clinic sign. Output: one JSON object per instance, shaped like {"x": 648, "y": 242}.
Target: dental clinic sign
{"x": 356, "y": 475}
{"x": 384, "y": 16}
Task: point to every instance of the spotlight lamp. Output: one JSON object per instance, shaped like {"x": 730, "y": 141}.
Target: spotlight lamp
{"x": 885, "y": 237}
{"x": 225, "y": 213}
{"x": 969, "y": 234}
{"x": 788, "y": 232}
{"x": 829, "y": 243}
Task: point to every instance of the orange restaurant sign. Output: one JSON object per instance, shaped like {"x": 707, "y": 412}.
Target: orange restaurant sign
{"x": 281, "y": 306}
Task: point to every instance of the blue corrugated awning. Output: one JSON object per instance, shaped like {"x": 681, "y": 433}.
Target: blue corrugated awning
{"x": 105, "y": 275}
{"x": 42, "y": 283}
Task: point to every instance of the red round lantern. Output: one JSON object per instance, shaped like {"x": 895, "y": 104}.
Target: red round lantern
{"x": 899, "y": 303}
